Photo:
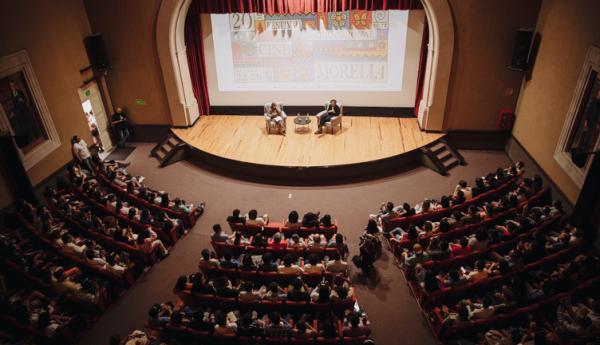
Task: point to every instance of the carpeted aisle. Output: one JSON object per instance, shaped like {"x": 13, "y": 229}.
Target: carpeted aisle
{"x": 393, "y": 312}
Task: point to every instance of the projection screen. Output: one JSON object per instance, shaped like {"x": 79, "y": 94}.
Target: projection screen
{"x": 363, "y": 57}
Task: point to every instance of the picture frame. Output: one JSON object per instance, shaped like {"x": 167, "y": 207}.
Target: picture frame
{"x": 23, "y": 110}
{"x": 580, "y": 134}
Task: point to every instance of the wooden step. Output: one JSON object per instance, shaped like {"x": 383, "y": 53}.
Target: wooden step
{"x": 451, "y": 163}
{"x": 166, "y": 147}
{"x": 173, "y": 141}
{"x": 437, "y": 147}
{"x": 445, "y": 156}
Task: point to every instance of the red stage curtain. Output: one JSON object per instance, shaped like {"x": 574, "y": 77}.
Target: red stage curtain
{"x": 297, "y": 6}
{"x": 195, "y": 56}
{"x": 422, "y": 64}
{"x": 193, "y": 29}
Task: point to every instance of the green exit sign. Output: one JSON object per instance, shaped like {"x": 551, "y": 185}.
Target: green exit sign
{"x": 140, "y": 101}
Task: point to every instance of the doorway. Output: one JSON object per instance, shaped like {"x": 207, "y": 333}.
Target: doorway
{"x": 97, "y": 120}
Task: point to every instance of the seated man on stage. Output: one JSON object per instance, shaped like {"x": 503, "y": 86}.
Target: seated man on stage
{"x": 332, "y": 110}
{"x": 276, "y": 116}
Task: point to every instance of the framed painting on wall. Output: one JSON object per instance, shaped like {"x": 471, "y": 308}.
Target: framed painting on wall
{"x": 23, "y": 110}
{"x": 580, "y": 136}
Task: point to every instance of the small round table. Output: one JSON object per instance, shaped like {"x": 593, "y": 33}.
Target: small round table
{"x": 303, "y": 121}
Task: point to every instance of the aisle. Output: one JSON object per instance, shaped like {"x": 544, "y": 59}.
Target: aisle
{"x": 393, "y": 312}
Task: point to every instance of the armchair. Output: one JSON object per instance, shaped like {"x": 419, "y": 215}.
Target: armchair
{"x": 272, "y": 124}
{"x": 335, "y": 122}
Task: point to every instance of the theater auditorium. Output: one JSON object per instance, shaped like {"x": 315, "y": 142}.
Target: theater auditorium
{"x": 349, "y": 172}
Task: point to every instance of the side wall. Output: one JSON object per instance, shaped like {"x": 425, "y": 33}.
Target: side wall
{"x": 52, "y": 33}
{"x": 567, "y": 29}
{"x": 128, "y": 29}
{"x": 480, "y": 83}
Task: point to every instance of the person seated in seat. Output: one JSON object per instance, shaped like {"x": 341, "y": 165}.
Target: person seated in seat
{"x": 303, "y": 329}
{"x": 326, "y": 115}
{"x": 462, "y": 186}
{"x": 267, "y": 264}
{"x": 225, "y": 323}
{"x": 485, "y": 310}
{"x": 310, "y": 220}
{"x": 342, "y": 289}
{"x": 327, "y": 325}
{"x": 253, "y": 219}
{"x": 273, "y": 293}
{"x": 462, "y": 248}
{"x": 355, "y": 325}
{"x": 321, "y": 293}
{"x": 314, "y": 264}
{"x": 325, "y": 221}
{"x": 336, "y": 265}
{"x": 277, "y": 243}
{"x": 275, "y": 326}
{"x": 454, "y": 279}
{"x": 235, "y": 218}
{"x": 416, "y": 256}
{"x": 480, "y": 272}
{"x": 386, "y": 212}
{"x": 247, "y": 292}
{"x": 338, "y": 242}
{"x": 218, "y": 234}
{"x": 316, "y": 241}
{"x": 224, "y": 288}
{"x": 149, "y": 241}
{"x": 228, "y": 262}
{"x": 289, "y": 267}
{"x": 160, "y": 314}
{"x": 298, "y": 291}
{"x": 250, "y": 326}
{"x": 259, "y": 241}
{"x": 441, "y": 252}
{"x": 247, "y": 264}
{"x": 293, "y": 221}
{"x": 480, "y": 241}
{"x": 472, "y": 216}
{"x": 296, "y": 242}
{"x": 276, "y": 117}
{"x": 238, "y": 239}
{"x": 207, "y": 262}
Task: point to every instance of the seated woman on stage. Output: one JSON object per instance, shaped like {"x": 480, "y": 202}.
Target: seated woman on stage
{"x": 332, "y": 110}
{"x": 276, "y": 116}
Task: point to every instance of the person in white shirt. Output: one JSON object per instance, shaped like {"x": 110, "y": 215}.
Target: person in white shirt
{"x": 81, "y": 152}
{"x": 276, "y": 117}
{"x": 253, "y": 219}
{"x": 336, "y": 265}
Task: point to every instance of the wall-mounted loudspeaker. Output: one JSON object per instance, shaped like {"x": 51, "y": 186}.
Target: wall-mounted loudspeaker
{"x": 520, "y": 55}
{"x": 97, "y": 52}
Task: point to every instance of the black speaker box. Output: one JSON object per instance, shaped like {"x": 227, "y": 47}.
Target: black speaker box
{"x": 96, "y": 51}
{"x": 519, "y": 59}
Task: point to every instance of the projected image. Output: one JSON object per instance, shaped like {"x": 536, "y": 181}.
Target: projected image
{"x": 351, "y": 50}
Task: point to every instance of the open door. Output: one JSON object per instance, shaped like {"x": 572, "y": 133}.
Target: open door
{"x": 93, "y": 109}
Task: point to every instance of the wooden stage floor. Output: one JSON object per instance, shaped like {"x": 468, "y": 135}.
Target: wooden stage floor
{"x": 362, "y": 139}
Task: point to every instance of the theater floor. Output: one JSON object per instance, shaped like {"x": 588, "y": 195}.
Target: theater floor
{"x": 393, "y": 312}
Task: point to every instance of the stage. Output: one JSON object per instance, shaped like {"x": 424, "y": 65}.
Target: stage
{"x": 364, "y": 145}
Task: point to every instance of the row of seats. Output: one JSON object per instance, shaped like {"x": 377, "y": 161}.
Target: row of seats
{"x": 237, "y": 250}
{"x": 439, "y": 214}
{"x": 125, "y": 278}
{"x": 188, "y": 218}
{"x": 137, "y": 253}
{"x": 432, "y": 303}
{"x": 272, "y": 228}
{"x": 398, "y": 245}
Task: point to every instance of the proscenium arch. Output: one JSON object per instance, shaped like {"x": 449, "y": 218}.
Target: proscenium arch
{"x": 171, "y": 48}
{"x": 170, "y": 43}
